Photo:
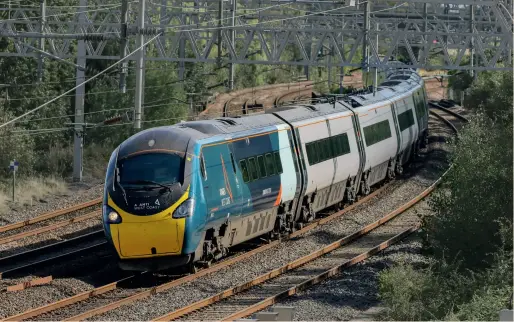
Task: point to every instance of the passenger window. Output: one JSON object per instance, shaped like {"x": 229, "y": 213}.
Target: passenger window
{"x": 328, "y": 148}
{"x": 345, "y": 144}
{"x": 315, "y": 152}
{"x": 278, "y": 162}
{"x": 308, "y": 151}
{"x": 262, "y": 167}
{"x": 324, "y": 150}
{"x": 310, "y": 154}
{"x": 233, "y": 162}
{"x": 336, "y": 145}
{"x": 244, "y": 170}
{"x": 252, "y": 168}
{"x": 270, "y": 165}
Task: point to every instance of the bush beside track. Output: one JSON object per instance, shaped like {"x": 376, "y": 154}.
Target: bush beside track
{"x": 468, "y": 239}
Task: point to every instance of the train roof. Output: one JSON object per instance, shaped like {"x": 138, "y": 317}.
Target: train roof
{"x": 170, "y": 138}
{"x": 398, "y": 83}
{"x": 301, "y": 112}
{"x": 227, "y": 125}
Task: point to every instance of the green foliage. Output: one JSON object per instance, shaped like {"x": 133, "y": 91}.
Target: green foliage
{"x": 15, "y": 146}
{"x": 493, "y": 93}
{"x": 476, "y": 194}
{"x": 469, "y": 236}
{"x": 51, "y": 153}
{"x": 460, "y": 81}
{"x": 442, "y": 292}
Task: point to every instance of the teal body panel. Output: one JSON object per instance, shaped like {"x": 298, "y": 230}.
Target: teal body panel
{"x": 223, "y": 192}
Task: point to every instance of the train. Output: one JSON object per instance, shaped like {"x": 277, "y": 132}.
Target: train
{"x": 181, "y": 196}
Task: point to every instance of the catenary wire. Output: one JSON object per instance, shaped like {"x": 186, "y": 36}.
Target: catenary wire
{"x": 115, "y": 32}
{"x": 118, "y": 62}
{"x": 81, "y": 84}
{"x": 130, "y": 54}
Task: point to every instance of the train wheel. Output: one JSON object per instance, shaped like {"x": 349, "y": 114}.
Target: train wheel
{"x": 192, "y": 269}
{"x": 365, "y": 189}
{"x": 390, "y": 173}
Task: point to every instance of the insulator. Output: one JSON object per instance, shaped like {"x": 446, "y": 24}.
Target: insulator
{"x": 113, "y": 119}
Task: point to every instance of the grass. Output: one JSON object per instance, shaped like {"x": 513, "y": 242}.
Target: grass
{"x": 4, "y": 208}
{"x": 30, "y": 191}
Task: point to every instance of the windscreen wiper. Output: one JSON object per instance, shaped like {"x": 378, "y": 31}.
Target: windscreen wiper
{"x": 122, "y": 190}
{"x": 150, "y": 182}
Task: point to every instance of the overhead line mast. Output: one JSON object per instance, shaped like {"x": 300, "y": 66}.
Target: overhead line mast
{"x": 444, "y": 28}
{"x": 78, "y": 138}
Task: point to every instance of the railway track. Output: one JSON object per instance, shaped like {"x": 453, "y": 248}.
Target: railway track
{"x": 97, "y": 301}
{"x": 449, "y": 114}
{"x": 245, "y": 299}
{"x": 243, "y": 105}
{"x": 95, "y": 306}
{"x": 304, "y": 90}
{"x": 53, "y": 220}
{"x": 265, "y": 290}
{"x": 14, "y": 265}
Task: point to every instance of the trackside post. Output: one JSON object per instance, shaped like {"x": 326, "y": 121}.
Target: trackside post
{"x": 13, "y": 166}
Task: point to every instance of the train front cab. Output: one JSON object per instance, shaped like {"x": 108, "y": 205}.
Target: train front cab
{"x": 154, "y": 238}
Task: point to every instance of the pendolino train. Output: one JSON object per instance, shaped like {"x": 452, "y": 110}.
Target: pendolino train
{"x": 182, "y": 195}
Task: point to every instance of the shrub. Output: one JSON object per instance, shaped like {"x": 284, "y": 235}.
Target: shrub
{"x": 443, "y": 292}
{"x": 469, "y": 235}
{"x": 476, "y": 194}
{"x": 96, "y": 158}
{"x": 58, "y": 160}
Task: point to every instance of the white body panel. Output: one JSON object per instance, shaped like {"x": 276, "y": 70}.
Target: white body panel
{"x": 347, "y": 165}
{"x": 408, "y": 136}
{"x": 288, "y": 176}
{"x": 320, "y": 175}
{"x": 382, "y": 151}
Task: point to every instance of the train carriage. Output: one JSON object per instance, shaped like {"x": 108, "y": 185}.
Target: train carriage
{"x": 181, "y": 195}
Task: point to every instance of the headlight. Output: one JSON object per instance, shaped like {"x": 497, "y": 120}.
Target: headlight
{"x": 111, "y": 216}
{"x": 185, "y": 209}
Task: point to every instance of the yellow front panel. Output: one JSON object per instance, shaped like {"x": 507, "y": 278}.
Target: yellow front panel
{"x": 135, "y": 236}
{"x": 137, "y": 239}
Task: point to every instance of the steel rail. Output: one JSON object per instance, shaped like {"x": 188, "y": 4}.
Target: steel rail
{"x": 321, "y": 277}
{"x": 442, "y": 118}
{"x": 50, "y": 215}
{"x": 444, "y": 109}
{"x": 28, "y": 284}
{"x": 293, "y": 91}
{"x": 70, "y": 300}
{"x": 245, "y": 107}
{"x": 296, "y": 263}
{"x": 156, "y": 289}
{"x": 219, "y": 266}
{"x": 226, "y": 106}
{"x": 305, "y": 259}
{"x": 49, "y": 227}
{"x": 11, "y": 266}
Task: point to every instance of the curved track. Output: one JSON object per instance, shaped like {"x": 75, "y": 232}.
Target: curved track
{"x": 88, "y": 304}
{"x": 244, "y": 299}
{"x": 81, "y": 310}
{"x": 35, "y": 226}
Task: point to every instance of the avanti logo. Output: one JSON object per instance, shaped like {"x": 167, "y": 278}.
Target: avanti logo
{"x": 157, "y": 202}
